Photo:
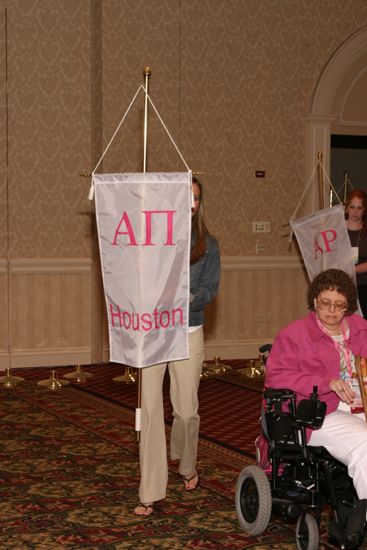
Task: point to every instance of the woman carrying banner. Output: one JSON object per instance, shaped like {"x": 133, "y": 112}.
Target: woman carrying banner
{"x": 356, "y": 220}
{"x": 184, "y": 378}
{"x": 320, "y": 350}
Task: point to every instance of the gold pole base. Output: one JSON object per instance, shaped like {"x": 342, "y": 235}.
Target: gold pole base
{"x": 78, "y": 375}
{"x": 52, "y": 383}
{"x": 254, "y": 370}
{"x": 9, "y": 381}
{"x": 215, "y": 369}
{"x": 127, "y": 378}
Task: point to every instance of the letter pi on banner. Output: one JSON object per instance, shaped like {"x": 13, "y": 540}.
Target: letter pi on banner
{"x": 324, "y": 242}
{"x": 144, "y": 229}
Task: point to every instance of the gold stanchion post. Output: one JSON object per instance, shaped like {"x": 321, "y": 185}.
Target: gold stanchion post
{"x": 53, "y": 383}
{"x": 128, "y": 377}
{"x": 215, "y": 369}
{"x": 78, "y": 375}
{"x": 9, "y": 381}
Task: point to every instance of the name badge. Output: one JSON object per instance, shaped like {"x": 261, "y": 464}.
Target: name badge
{"x": 355, "y": 254}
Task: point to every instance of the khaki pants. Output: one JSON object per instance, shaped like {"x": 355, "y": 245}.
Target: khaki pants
{"x": 184, "y": 385}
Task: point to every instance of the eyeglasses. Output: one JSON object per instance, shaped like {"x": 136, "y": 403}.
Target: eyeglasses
{"x": 324, "y": 303}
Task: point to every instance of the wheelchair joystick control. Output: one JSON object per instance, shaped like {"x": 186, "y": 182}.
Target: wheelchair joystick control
{"x": 314, "y": 394}
{"x": 311, "y": 412}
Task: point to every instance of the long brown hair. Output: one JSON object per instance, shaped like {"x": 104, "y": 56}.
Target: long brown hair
{"x": 198, "y": 228}
{"x": 358, "y": 194}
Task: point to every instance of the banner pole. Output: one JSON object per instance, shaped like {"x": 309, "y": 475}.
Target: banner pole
{"x": 321, "y": 180}
{"x": 146, "y": 73}
{"x": 345, "y": 187}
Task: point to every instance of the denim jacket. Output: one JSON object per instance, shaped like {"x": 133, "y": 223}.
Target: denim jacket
{"x": 204, "y": 281}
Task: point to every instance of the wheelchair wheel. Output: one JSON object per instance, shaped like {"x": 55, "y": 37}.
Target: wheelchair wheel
{"x": 253, "y": 500}
{"x": 307, "y": 533}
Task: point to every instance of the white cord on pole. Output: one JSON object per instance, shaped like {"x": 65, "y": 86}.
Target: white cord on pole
{"x": 318, "y": 163}
{"x": 141, "y": 87}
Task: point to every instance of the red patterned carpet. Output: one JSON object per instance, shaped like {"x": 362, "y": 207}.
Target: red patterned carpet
{"x": 229, "y": 413}
{"x": 69, "y": 470}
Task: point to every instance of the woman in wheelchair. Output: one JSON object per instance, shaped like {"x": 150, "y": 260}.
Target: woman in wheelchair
{"x": 320, "y": 350}
{"x": 304, "y": 456}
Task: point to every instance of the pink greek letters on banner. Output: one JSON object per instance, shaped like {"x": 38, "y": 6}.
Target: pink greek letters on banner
{"x": 148, "y": 228}
{"x": 327, "y": 238}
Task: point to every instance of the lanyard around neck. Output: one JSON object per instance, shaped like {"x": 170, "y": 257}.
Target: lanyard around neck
{"x": 343, "y": 347}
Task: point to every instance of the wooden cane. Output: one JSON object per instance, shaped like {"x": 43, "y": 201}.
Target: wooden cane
{"x": 361, "y": 371}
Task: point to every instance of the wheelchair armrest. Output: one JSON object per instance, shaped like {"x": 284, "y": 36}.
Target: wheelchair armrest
{"x": 279, "y": 394}
{"x": 265, "y": 348}
{"x": 310, "y": 412}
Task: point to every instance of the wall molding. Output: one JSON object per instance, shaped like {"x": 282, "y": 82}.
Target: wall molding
{"x": 233, "y": 349}
{"x": 50, "y": 265}
{"x": 261, "y": 263}
{"x": 46, "y": 358}
{"x": 226, "y": 349}
{"x": 77, "y": 265}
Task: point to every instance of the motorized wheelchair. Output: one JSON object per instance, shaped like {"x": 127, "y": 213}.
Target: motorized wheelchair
{"x": 296, "y": 480}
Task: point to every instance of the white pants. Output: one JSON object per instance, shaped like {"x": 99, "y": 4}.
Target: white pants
{"x": 344, "y": 435}
{"x": 184, "y": 385}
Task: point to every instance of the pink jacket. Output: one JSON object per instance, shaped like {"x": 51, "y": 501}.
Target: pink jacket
{"x": 303, "y": 356}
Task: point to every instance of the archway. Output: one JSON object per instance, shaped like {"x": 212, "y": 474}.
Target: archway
{"x": 333, "y": 105}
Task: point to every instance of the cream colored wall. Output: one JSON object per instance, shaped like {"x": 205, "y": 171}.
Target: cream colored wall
{"x": 49, "y": 240}
{"x": 233, "y": 81}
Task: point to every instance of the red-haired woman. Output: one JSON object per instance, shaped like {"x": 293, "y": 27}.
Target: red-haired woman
{"x": 356, "y": 220}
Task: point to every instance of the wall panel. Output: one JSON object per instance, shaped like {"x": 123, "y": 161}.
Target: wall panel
{"x": 50, "y": 318}
{"x": 51, "y": 312}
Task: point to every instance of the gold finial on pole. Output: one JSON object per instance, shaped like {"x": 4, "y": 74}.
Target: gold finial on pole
{"x": 321, "y": 180}
{"x": 147, "y": 71}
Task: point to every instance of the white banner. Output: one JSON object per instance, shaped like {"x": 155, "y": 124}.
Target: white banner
{"x": 324, "y": 241}
{"x": 144, "y": 226}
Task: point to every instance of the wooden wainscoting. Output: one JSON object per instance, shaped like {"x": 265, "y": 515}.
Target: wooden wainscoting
{"x": 53, "y": 314}
{"x": 258, "y": 296}
{"x": 50, "y": 312}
